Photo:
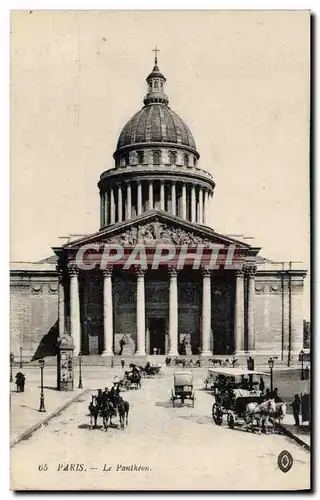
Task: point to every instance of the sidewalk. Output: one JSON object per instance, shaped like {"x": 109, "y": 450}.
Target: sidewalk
{"x": 300, "y": 434}
{"x": 24, "y": 406}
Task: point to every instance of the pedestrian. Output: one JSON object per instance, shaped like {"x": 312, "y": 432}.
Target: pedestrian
{"x": 261, "y": 385}
{"x": 275, "y": 396}
{"x": 296, "y": 409}
{"x": 123, "y": 363}
{"x": 268, "y": 394}
{"x": 306, "y": 373}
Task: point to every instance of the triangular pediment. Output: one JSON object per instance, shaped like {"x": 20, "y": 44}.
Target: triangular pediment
{"x": 158, "y": 227}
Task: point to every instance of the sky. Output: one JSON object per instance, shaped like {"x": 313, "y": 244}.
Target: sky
{"x": 240, "y": 80}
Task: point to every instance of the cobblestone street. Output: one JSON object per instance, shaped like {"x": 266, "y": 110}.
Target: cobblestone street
{"x": 180, "y": 448}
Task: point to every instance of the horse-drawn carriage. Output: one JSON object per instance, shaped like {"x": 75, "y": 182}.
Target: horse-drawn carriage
{"x": 183, "y": 387}
{"x": 151, "y": 370}
{"x": 235, "y": 389}
{"x": 131, "y": 379}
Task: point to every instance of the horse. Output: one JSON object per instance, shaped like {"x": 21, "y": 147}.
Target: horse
{"x": 107, "y": 411}
{"x": 135, "y": 378}
{"x": 123, "y": 410}
{"x": 261, "y": 412}
{"x": 94, "y": 409}
{"x": 280, "y": 412}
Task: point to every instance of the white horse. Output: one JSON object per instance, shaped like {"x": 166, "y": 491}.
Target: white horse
{"x": 260, "y": 412}
{"x": 280, "y": 412}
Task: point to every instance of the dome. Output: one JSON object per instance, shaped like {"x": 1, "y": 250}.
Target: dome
{"x": 156, "y": 123}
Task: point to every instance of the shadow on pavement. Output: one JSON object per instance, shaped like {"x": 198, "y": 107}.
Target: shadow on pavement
{"x": 197, "y": 419}
{"x": 298, "y": 430}
{"x": 88, "y": 426}
{"x": 164, "y": 404}
{"x": 29, "y": 407}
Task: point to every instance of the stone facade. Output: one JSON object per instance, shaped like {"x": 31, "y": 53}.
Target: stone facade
{"x": 33, "y": 311}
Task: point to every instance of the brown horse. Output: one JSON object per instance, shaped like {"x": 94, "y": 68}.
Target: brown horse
{"x": 94, "y": 411}
{"x": 123, "y": 410}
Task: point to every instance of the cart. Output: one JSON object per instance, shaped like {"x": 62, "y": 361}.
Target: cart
{"x": 234, "y": 389}
{"x": 183, "y": 388}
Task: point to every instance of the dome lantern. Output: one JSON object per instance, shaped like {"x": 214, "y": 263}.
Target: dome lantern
{"x": 156, "y": 81}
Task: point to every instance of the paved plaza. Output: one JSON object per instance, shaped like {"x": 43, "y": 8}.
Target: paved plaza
{"x": 162, "y": 448}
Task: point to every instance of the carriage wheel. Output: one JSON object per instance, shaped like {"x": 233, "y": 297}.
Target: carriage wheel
{"x": 217, "y": 414}
{"x": 230, "y": 420}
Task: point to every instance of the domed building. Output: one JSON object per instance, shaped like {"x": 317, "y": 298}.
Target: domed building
{"x": 155, "y": 279}
{"x": 156, "y": 165}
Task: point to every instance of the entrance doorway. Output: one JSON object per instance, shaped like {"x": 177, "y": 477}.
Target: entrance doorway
{"x": 157, "y": 329}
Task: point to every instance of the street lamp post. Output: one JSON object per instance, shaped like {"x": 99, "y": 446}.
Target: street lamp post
{"x": 80, "y": 386}
{"x": 42, "y": 408}
{"x": 271, "y": 364}
{"x": 21, "y": 365}
{"x": 11, "y": 365}
{"x": 302, "y": 370}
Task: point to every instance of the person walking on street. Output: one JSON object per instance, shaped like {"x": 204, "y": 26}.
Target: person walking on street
{"x": 306, "y": 373}
{"x": 296, "y": 409}
{"x": 261, "y": 385}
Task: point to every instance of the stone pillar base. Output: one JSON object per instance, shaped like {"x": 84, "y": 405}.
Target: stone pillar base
{"x": 139, "y": 353}
{"x": 174, "y": 354}
{"x": 107, "y": 354}
{"x": 205, "y": 354}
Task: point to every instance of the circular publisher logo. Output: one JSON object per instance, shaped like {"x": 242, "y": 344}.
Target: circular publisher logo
{"x": 285, "y": 461}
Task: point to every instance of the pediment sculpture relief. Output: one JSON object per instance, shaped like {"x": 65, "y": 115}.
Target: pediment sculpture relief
{"x": 156, "y": 233}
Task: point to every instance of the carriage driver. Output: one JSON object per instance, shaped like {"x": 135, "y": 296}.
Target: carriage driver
{"x": 100, "y": 398}
{"x": 114, "y": 393}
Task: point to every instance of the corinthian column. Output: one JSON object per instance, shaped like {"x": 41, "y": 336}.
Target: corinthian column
{"x": 193, "y": 204}
{"x": 141, "y": 315}
{"x": 184, "y": 201}
{"x": 107, "y": 312}
{"x": 119, "y": 203}
{"x": 162, "y": 195}
{"x": 251, "y": 295}
{"x": 106, "y": 211}
{"x": 150, "y": 195}
{"x": 112, "y": 207}
{"x": 205, "y": 206}
{"x": 74, "y": 307}
{"x": 139, "y": 198}
{"x": 239, "y": 313}
{"x": 173, "y": 313}
{"x": 102, "y": 209}
{"x": 61, "y": 302}
{"x": 206, "y": 313}
{"x": 173, "y": 198}
{"x": 129, "y": 202}
{"x": 200, "y": 213}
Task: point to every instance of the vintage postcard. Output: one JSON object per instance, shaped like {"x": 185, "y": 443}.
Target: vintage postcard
{"x": 160, "y": 271}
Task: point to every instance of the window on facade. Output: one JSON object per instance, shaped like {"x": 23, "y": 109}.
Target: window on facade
{"x": 172, "y": 158}
{"x": 140, "y": 157}
{"x": 186, "y": 160}
{"x": 156, "y": 157}
{"x": 194, "y": 161}
{"x": 156, "y": 85}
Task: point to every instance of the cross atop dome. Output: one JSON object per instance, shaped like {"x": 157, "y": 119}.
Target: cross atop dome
{"x": 156, "y": 50}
